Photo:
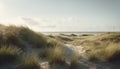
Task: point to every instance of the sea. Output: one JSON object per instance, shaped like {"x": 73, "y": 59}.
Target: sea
{"x": 68, "y": 33}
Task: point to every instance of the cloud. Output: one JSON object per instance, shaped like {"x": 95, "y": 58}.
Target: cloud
{"x": 33, "y": 22}
{"x": 12, "y": 21}
{"x": 30, "y": 21}
{"x": 59, "y": 24}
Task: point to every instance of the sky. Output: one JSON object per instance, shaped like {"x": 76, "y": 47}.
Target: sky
{"x": 62, "y": 15}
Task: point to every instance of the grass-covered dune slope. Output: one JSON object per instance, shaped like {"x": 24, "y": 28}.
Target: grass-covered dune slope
{"x": 13, "y": 43}
{"x": 105, "y": 46}
{"x": 17, "y": 45}
{"x": 99, "y": 39}
{"x": 20, "y": 36}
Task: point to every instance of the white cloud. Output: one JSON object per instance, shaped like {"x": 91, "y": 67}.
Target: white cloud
{"x": 57, "y": 24}
{"x": 12, "y": 21}
{"x": 49, "y": 24}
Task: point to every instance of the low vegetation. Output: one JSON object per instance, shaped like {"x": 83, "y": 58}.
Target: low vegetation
{"x": 51, "y": 42}
{"x": 14, "y": 42}
{"x": 62, "y": 37}
{"x": 98, "y": 39}
{"x": 109, "y": 53}
{"x": 44, "y": 53}
{"x": 74, "y": 62}
{"x": 21, "y": 36}
{"x": 31, "y": 62}
{"x": 37, "y": 40}
{"x": 65, "y": 38}
{"x": 9, "y": 54}
{"x": 105, "y": 46}
{"x": 56, "y": 55}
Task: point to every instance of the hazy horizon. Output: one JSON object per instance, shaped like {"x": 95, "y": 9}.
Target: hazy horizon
{"x": 62, "y": 15}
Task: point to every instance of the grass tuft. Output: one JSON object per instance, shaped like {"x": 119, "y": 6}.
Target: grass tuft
{"x": 36, "y": 39}
{"x": 9, "y": 54}
{"x": 30, "y": 62}
{"x": 74, "y": 61}
{"x": 92, "y": 55}
{"x": 51, "y": 42}
{"x": 56, "y": 55}
{"x": 108, "y": 53}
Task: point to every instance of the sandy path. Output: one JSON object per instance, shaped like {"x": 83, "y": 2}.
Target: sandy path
{"x": 77, "y": 49}
{"x": 71, "y": 50}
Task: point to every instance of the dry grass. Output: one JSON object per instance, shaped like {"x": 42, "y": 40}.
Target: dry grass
{"x": 98, "y": 39}
{"x": 74, "y": 61}
{"x": 51, "y": 42}
{"x": 112, "y": 52}
{"x": 9, "y": 54}
{"x": 37, "y": 40}
{"x": 30, "y": 62}
{"x": 20, "y": 36}
{"x": 56, "y": 55}
{"x": 105, "y": 46}
{"x": 9, "y": 36}
{"x": 92, "y": 55}
{"x": 64, "y": 38}
{"x": 108, "y": 53}
{"x": 44, "y": 53}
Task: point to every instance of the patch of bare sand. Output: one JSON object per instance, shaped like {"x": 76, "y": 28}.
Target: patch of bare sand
{"x": 71, "y": 50}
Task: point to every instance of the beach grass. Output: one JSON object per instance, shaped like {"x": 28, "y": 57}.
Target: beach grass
{"x": 108, "y": 53}
{"x": 74, "y": 61}
{"x": 9, "y": 53}
{"x": 31, "y": 62}
{"x": 56, "y": 55}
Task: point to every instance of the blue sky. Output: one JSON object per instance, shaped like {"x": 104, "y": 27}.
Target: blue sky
{"x": 62, "y": 15}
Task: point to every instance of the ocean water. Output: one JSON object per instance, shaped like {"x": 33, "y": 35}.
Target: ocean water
{"x": 68, "y": 33}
